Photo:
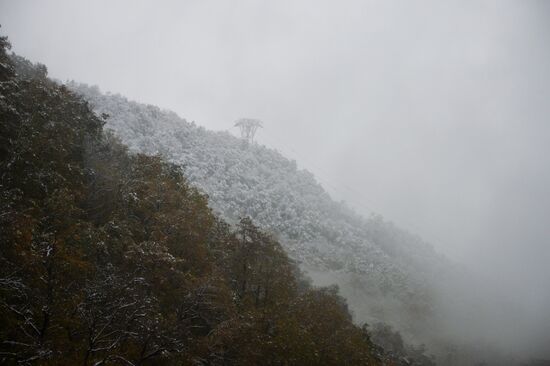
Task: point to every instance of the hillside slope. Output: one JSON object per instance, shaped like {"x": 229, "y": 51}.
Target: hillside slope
{"x": 387, "y": 275}
{"x": 110, "y": 258}
{"x": 384, "y": 272}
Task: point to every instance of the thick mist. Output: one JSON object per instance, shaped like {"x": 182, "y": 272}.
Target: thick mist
{"x": 435, "y": 115}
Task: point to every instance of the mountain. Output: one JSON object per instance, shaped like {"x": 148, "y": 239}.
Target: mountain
{"x": 384, "y": 272}
{"x": 112, "y": 258}
{"x": 131, "y": 236}
{"x": 390, "y": 278}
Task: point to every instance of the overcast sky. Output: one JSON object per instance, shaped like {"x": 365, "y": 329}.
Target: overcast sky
{"x": 432, "y": 113}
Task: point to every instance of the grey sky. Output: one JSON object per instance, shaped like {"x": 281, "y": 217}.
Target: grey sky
{"x": 436, "y": 112}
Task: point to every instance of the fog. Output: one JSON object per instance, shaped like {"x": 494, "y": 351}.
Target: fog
{"x": 433, "y": 114}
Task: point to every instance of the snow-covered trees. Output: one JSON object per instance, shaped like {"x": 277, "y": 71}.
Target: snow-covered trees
{"x": 318, "y": 233}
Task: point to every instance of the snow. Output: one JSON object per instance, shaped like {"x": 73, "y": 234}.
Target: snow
{"x": 246, "y": 179}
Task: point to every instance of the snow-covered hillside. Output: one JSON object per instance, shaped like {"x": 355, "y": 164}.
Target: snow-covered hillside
{"x": 383, "y": 271}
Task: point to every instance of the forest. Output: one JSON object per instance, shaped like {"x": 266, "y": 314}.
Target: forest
{"x": 109, "y": 257}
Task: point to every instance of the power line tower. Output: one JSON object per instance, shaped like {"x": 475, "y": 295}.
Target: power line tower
{"x": 248, "y": 127}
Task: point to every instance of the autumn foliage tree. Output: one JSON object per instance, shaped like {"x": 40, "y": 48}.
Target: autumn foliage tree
{"x": 111, "y": 258}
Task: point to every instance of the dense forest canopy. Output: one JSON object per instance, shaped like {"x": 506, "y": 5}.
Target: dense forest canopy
{"x": 417, "y": 301}
{"x": 113, "y": 258}
{"x": 129, "y": 236}
{"x": 244, "y": 179}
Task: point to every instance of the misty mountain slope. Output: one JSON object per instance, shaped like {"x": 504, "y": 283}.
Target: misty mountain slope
{"x": 251, "y": 180}
{"x": 111, "y": 258}
{"x": 385, "y": 273}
